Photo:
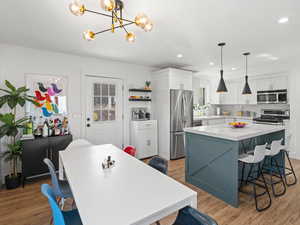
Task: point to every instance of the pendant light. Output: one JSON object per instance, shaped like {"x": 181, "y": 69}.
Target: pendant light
{"x": 222, "y": 87}
{"x": 246, "y": 90}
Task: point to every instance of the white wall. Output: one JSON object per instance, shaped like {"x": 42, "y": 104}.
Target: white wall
{"x": 17, "y": 61}
{"x": 294, "y": 82}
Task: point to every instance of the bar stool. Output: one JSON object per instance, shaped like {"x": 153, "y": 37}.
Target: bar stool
{"x": 255, "y": 160}
{"x": 286, "y": 151}
{"x": 271, "y": 154}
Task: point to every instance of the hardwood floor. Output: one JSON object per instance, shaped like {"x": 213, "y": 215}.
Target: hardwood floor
{"x": 28, "y": 207}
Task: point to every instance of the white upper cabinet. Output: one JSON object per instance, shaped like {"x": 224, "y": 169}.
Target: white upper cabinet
{"x": 235, "y": 89}
{"x": 180, "y": 79}
{"x": 230, "y": 97}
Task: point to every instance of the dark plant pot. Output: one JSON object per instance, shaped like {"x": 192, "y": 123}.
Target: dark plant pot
{"x": 12, "y": 182}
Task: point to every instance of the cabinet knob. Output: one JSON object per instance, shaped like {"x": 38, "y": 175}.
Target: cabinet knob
{"x": 88, "y": 119}
{"x": 88, "y": 125}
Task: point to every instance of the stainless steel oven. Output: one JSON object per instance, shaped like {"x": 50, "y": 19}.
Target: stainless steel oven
{"x": 272, "y": 97}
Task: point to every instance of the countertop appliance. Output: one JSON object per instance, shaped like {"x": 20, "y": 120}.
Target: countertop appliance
{"x": 272, "y": 97}
{"x": 181, "y": 116}
{"x": 138, "y": 114}
{"x": 143, "y": 137}
{"x": 271, "y": 116}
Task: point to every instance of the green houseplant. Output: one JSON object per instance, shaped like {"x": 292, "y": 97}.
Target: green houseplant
{"x": 9, "y": 127}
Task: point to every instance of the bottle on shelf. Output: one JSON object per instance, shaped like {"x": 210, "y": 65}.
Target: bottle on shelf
{"x": 45, "y": 129}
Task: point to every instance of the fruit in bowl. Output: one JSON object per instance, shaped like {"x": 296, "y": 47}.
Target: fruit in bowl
{"x": 238, "y": 124}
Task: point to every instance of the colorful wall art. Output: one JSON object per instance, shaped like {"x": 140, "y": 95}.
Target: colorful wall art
{"x": 50, "y": 93}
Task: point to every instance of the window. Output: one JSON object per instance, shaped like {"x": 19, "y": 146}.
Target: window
{"x": 104, "y": 102}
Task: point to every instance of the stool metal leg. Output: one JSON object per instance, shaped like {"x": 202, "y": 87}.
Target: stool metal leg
{"x": 291, "y": 169}
{"x": 266, "y": 191}
{"x": 280, "y": 181}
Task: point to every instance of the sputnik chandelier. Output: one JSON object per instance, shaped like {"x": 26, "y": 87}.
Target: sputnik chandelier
{"x": 115, "y": 7}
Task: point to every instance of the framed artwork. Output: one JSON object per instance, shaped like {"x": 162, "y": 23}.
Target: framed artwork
{"x": 50, "y": 93}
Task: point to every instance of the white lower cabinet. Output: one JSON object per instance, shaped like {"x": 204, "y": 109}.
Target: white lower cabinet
{"x": 143, "y": 137}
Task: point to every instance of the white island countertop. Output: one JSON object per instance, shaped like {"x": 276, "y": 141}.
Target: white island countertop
{"x": 225, "y": 131}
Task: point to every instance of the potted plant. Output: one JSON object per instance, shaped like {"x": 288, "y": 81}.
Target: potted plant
{"x": 9, "y": 127}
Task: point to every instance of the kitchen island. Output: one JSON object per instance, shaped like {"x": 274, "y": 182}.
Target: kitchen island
{"x": 212, "y": 154}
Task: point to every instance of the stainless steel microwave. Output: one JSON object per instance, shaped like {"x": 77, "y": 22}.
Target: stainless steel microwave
{"x": 272, "y": 97}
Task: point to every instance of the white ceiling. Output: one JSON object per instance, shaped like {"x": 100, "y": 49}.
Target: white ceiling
{"x": 192, "y": 28}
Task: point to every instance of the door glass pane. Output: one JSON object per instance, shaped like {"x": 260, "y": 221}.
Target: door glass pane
{"x": 104, "y": 88}
{"x": 112, "y": 115}
{"x": 96, "y": 115}
{"x": 96, "y": 89}
{"x": 104, "y": 115}
{"x": 104, "y": 102}
{"x": 113, "y": 103}
{"x": 97, "y": 101}
{"x": 112, "y": 90}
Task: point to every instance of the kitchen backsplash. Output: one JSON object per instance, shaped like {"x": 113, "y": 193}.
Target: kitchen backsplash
{"x": 255, "y": 110}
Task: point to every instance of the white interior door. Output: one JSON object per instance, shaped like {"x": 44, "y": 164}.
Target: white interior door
{"x": 104, "y": 110}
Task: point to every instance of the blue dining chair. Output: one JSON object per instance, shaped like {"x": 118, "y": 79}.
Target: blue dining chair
{"x": 191, "y": 216}
{"x": 159, "y": 164}
{"x": 60, "y": 217}
{"x": 61, "y": 188}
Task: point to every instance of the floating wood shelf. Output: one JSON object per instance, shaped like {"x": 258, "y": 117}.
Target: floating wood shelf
{"x": 140, "y": 90}
{"x": 139, "y": 100}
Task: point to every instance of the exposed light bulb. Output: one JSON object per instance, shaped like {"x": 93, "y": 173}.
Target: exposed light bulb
{"x": 130, "y": 37}
{"x": 179, "y": 55}
{"x": 283, "y": 20}
{"x": 77, "y": 8}
{"x": 148, "y": 26}
{"x": 108, "y": 5}
{"x": 88, "y": 35}
{"x": 141, "y": 20}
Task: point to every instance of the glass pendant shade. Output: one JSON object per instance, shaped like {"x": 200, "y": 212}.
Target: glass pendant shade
{"x": 108, "y": 5}
{"x": 141, "y": 20}
{"x": 130, "y": 37}
{"x": 77, "y": 8}
{"x": 149, "y": 26}
{"x": 88, "y": 35}
{"x": 246, "y": 90}
{"x": 222, "y": 86}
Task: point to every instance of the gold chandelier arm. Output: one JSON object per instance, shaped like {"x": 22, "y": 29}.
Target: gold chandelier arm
{"x": 120, "y": 21}
{"x": 120, "y": 26}
{"x": 107, "y": 15}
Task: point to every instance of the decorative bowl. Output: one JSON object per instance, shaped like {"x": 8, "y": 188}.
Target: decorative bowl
{"x": 238, "y": 124}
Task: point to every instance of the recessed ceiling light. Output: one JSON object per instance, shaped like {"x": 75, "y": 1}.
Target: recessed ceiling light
{"x": 179, "y": 56}
{"x": 264, "y": 55}
{"x": 211, "y": 63}
{"x": 283, "y": 20}
{"x": 233, "y": 68}
{"x": 273, "y": 58}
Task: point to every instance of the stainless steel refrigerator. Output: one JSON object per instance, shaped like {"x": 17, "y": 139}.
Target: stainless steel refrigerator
{"x": 181, "y": 116}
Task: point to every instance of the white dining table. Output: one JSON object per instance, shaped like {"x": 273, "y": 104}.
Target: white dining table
{"x": 130, "y": 193}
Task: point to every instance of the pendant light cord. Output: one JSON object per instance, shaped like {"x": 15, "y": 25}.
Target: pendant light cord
{"x": 246, "y": 65}
{"x": 221, "y": 57}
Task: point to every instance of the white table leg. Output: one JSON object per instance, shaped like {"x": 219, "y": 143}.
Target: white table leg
{"x": 60, "y": 169}
{"x": 194, "y": 202}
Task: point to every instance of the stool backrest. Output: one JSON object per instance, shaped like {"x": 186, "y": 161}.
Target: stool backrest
{"x": 259, "y": 153}
{"x": 276, "y": 146}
